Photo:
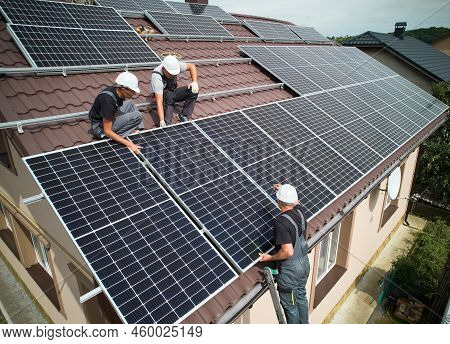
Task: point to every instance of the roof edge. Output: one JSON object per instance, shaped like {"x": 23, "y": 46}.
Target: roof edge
{"x": 243, "y": 303}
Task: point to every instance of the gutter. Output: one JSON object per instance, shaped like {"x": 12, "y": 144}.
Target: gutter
{"x": 232, "y": 313}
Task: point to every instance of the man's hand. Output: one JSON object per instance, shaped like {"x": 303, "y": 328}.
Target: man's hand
{"x": 194, "y": 87}
{"x": 134, "y": 148}
{"x": 162, "y": 124}
{"x": 264, "y": 257}
{"x": 277, "y": 186}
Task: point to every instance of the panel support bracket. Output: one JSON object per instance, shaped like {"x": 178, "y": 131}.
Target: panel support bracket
{"x": 33, "y": 199}
{"x": 90, "y": 295}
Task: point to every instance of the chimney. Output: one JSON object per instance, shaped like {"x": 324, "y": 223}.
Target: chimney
{"x": 204, "y": 2}
{"x": 400, "y": 28}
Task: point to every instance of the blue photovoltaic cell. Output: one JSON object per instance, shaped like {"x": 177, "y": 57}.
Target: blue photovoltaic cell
{"x": 242, "y": 140}
{"x": 326, "y": 164}
{"x": 237, "y": 214}
{"x": 281, "y": 168}
{"x": 59, "y": 14}
{"x": 183, "y": 156}
{"x": 155, "y": 266}
{"x": 279, "y": 124}
{"x": 108, "y": 170}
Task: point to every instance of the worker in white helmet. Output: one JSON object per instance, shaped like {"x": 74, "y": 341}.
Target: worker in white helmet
{"x": 114, "y": 115}
{"x": 166, "y": 93}
{"x": 291, "y": 255}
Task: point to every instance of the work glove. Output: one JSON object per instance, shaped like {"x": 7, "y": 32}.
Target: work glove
{"x": 194, "y": 87}
{"x": 162, "y": 124}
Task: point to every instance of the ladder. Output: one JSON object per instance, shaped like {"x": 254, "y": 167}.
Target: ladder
{"x": 268, "y": 274}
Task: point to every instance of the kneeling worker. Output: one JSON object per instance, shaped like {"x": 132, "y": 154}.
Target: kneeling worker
{"x": 291, "y": 255}
{"x": 166, "y": 93}
{"x": 114, "y": 115}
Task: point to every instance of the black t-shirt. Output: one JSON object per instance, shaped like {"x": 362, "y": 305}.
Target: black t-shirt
{"x": 105, "y": 106}
{"x": 284, "y": 230}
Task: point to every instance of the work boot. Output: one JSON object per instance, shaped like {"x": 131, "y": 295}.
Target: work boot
{"x": 182, "y": 118}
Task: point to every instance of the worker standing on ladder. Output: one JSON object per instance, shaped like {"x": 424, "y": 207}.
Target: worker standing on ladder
{"x": 165, "y": 92}
{"x": 291, "y": 255}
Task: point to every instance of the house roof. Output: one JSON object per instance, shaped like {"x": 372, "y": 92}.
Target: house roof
{"x": 422, "y": 55}
{"x": 33, "y": 96}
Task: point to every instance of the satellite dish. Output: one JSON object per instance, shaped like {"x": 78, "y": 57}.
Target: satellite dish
{"x": 394, "y": 182}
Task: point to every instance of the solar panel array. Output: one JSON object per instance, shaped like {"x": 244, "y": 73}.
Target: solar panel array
{"x": 200, "y": 9}
{"x": 53, "y": 34}
{"x": 317, "y": 68}
{"x": 308, "y": 34}
{"x": 151, "y": 260}
{"x": 234, "y": 212}
{"x": 270, "y": 30}
{"x": 186, "y": 24}
{"x": 137, "y": 5}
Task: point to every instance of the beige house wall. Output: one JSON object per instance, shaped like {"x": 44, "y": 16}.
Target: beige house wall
{"x": 443, "y": 45}
{"x": 367, "y": 238}
{"x": 402, "y": 68}
{"x": 16, "y": 188}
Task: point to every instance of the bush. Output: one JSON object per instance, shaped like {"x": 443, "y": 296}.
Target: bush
{"x": 417, "y": 272}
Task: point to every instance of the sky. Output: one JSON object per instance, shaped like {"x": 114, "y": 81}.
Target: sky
{"x": 346, "y": 17}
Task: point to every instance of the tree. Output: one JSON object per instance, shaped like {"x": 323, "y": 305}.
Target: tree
{"x": 434, "y": 165}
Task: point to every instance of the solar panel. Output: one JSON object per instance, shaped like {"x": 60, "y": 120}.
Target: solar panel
{"x": 183, "y": 156}
{"x": 33, "y": 12}
{"x": 121, "y": 5}
{"x": 314, "y": 68}
{"x": 53, "y": 47}
{"x": 200, "y": 9}
{"x": 372, "y": 137}
{"x": 58, "y": 14}
{"x": 282, "y": 168}
{"x": 309, "y": 115}
{"x": 333, "y": 108}
{"x": 390, "y": 129}
{"x": 137, "y": 5}
{"x": 54, "y": 34}
{"x": 279, "y": 124}
{"x": 149, "y": 259}
{"x": 270, "y": 30}
{"x": 326, "y": 164}
{"x": 121, "y": 47}
{"x": 354, "y": 150}
{"x": 184, "y": 24}
{"x": 213, "y": 189}
{"x": 308, "y": 34}
{"x": 242, "y": 140}
{"x": 98, "y": 18}
{"x": 237, "y": 215}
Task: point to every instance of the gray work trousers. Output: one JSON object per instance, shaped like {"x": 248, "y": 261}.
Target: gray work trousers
{"x": 182, "y": 101}
{"x": 128, "y": 119}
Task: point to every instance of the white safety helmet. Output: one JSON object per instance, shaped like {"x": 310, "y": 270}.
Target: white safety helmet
{"x": 287, "y": 194}
{"x": 171, "y": 64}
{"x": 128, "y": 80}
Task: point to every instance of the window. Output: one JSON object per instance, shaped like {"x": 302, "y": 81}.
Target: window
{"x": 5, "y": 154}
{"x": 7, "y": 216}
{"x": 328, "y": 252}
{"x": 41, "y": 253}
{"x": 387, "y": 201}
